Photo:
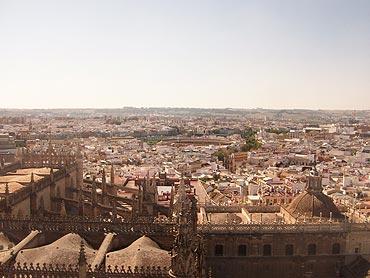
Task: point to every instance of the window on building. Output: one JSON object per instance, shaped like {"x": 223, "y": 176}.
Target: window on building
{"x": 242, "y": 250}
{"x": 267, "y": 250}
{"x": 335, "y": 248}
{"x": 289, "y": 250}
{"x": 311, "y": 249}
{"x": 357, "y": 250}
{"x": 219, "y": 250}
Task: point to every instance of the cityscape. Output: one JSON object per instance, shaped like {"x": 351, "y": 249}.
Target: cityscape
{"x": 185, "y": 139}
{"x": 185, "y": 192}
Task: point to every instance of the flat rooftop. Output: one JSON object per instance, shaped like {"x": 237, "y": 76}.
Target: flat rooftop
{"x": 22, "y": 177}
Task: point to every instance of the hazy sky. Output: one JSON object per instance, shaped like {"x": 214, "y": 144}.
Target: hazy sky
{"x": 246, "y": 54}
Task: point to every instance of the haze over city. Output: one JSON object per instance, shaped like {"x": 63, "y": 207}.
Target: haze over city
{"x": 185, "y": 139}
{"x": 215, "y": 54}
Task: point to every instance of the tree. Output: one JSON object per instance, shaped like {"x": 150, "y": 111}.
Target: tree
{"x": 221, "y": 154}
{"x": 251, "y": 143}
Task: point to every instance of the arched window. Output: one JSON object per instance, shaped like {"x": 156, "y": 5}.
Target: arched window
{"x": 219, "y": 250}
{"x": 267, "y": 250}
{"x": 242, "y": 250}
{"x": 311, "y": 249}
{"x": 335, "y": 248}
{"x": 289, "y": 250}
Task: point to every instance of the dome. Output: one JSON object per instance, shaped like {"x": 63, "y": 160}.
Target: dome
{"x": 314, "y": 204}
{"x": 65, "y": 250}
{"x": 142, "y": 252}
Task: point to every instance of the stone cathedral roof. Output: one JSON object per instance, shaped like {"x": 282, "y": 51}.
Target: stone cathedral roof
{"x": 312, "y": 202}
{"x": 65, "y": 250}
{"x": 142, "y": 252}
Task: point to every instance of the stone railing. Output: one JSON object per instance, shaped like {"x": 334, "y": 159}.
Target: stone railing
{"x": 225, "y": 209}
{"x": 237, "y": 209}
{"x": 150, "y": 226}
{"x": 262, "y": 209}
{"x": 283, "y": 228}
{"x": 84, "y": 225}
{"x": 62, "y": 271}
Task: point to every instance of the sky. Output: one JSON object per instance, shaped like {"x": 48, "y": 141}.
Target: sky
{"x": 170, "y": 53}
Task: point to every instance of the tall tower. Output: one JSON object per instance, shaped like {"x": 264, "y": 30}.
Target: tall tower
{"x": 187, "y": 251}
{"x": 79, "y": 167}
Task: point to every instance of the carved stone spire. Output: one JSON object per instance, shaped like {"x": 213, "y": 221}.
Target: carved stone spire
{"x": 6, "y": 189}
{"x": 82, "y": 262}
{"x": 181, "y": 192}
{"x": 93, "y": 192}
{"x": 7, "y": 207}
{"x": 187, "y": 256}
{"x": 81, "y": 203}
{"x": 103, "y": 178}
{"x": 63, "y": 211}
{"x": 140, "y": 199}
{"x": 112, "y": 175}
{"x": 104, "y": 188}
{"x": 33, "y": 196}
{"x": 51, "y": 174}
{"x": 182, "y": 201}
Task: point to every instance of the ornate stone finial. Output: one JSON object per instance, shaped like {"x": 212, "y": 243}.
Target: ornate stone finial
{"x": 82, "y": 262}
{"x": 51, "y": 174}
{"x": 82, "y": 257}
{"x": 8, "y": 208}
{"x": 6, "y": 189}
{"x": 181, "y": 190}
{"x": 63, "y": 211}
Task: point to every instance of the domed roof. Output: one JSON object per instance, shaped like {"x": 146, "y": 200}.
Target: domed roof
{"x": 314, "y": 204}
{"x": 65, "y": 250}
{"x": 142, "y": 252}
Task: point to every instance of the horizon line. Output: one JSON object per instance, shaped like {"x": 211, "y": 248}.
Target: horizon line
{"x": 183, "y": 107}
